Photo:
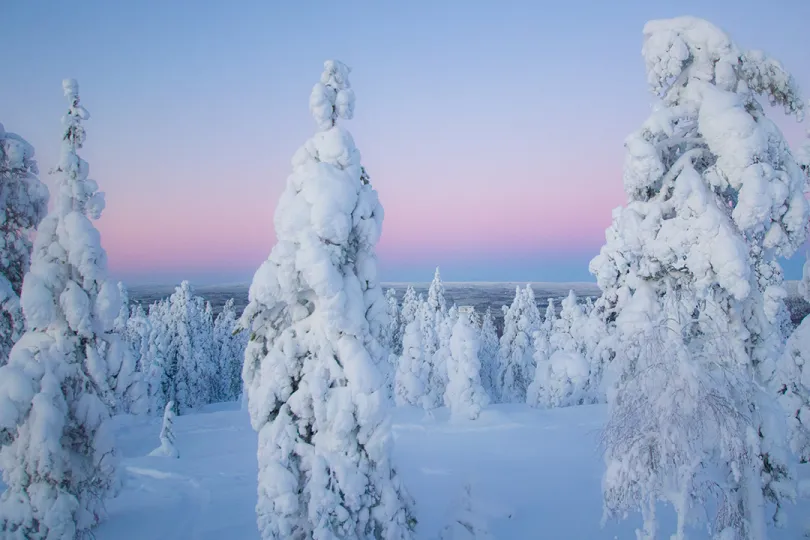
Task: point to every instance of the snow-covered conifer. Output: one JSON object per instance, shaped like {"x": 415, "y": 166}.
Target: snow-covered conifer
{"x": 410, "y": 308}
{"x": 58, "y": 453}
{"x": 315, "y": 392}
{"x": 229, "y": 350}
{"x": 489, "y": 354}
{"x": 516, "y": 365}
{"x": 794, "y": 396}
{"x": 566, "y": 334}
{"x": 435, "y": 299}
{"x": 167, "y": 447}
{"x": 464, "y": 395}
{"x": 25, "y": 202}
{"x": 411, "y": 381}
{"x": 714, "y": 197}
{"x": 137, "y": 334}
{"x": 123, "y": 313}
{"x": 394, "y": 334}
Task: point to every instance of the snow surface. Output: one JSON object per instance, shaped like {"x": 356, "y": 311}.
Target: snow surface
{"x": 534, "y": 474}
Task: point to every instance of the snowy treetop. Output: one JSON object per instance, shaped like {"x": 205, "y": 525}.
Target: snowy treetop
{"x": 683, "y": 48}
{"x": 332, "y": 97}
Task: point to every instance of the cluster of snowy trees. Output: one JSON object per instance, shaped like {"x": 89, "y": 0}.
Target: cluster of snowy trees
{"x": 547, "y": 361}
{"x": 73, "y": 352}
{"x": 186, "y": 355}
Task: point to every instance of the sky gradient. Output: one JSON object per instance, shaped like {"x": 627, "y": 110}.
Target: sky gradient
{"x": 493, "y": 131}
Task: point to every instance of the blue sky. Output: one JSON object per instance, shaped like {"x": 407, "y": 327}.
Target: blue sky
{"x": 493, "y": 131}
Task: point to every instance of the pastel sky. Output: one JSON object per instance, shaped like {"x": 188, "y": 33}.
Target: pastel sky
{"x": 492, "y": 130}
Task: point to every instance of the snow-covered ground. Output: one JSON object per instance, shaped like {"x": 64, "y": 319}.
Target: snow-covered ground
{"x": 533, "y": 473}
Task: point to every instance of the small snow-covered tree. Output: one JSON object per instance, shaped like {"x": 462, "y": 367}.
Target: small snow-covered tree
{"x": 437, "y": 381}
{"x": 465, "y": 395}
{"x": 794, "y": 396}
{"x": 25, "y": 203}
{"x": 229, "y": 352}
{"x": 435, "y": 298}
{"x": 489, "y": 354}
{"x": 410, "y": 308}
{"x": 516, "y": 363}
{"x": 714, "y": 197}
{"x": 315, "y": 392}
{"x": 137, "y": 335}
{"x": 393, "y": 334}
{"x": 167, "y": 447}
{"x": 58, "y": 454}
{"x": 411, "y": 381}
{"x": 566, "y": 334}
{"x": 123, "y": 313}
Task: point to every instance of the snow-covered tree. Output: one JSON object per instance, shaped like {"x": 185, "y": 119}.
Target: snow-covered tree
{"x": 25, "y": 203}
{"x": 435, "y": 299}
{"x": 794, "y": 398}
{"x": 412, "y": 378}
{"x": 714, "y": 197}
{"x": 437, "y": 381}
{"x": 465, "y": 395}
{"x": 229, "y": 351}
{"x": 315, "y": 392}
{"x": 410, "y": 308}
{"x": 489, "y": 354}
{"x": 393, "y": 334}
{"x": 58, "y": 454}
{"x": 123, "y": 313}
{"x": 167, "y": 447}
{"x": 516, "y": 365}
{"x": 567, "y": 331}
{"x": 181, "y": 346}
{"x": 137, "y": 335}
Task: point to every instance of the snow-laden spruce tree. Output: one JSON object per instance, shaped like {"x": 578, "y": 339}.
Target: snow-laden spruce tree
{"x": 167, "y": 447}
{"x": 465, "y": 395}
{"x": 795, "y": 399}
{"x": 393, "y": 334}
{"x": 24, "y": 202}
{"x": 437, "y": 380}
{"x": 137, "y": 335}
{"x": 489, "y": 354}
{"x": 412, "y": 378}
{"x": 58, "y": 453}
{"x": 714, "y": 197}
{"x": 567, "y": 331}
{"x": 516, "y": 365}
{"x": 229, "y": 352}
{"x": 315, "y": 392}
{"x": 181, "y": 346}
{"x": 804, "y": 283}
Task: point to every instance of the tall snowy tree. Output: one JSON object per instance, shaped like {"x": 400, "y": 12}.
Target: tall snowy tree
{"x": 714, "y": 197}
{"x": 489, "y": 354}
{"x": 58, "y": 453}
{"x": 464, "y": 395}
{"x": 410, "y": 308}
{"x": 315, "y": 392}
{"x": 437, "y": 381}
{"x": 25, "y": 203}
{"x": 516, "y": 365}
